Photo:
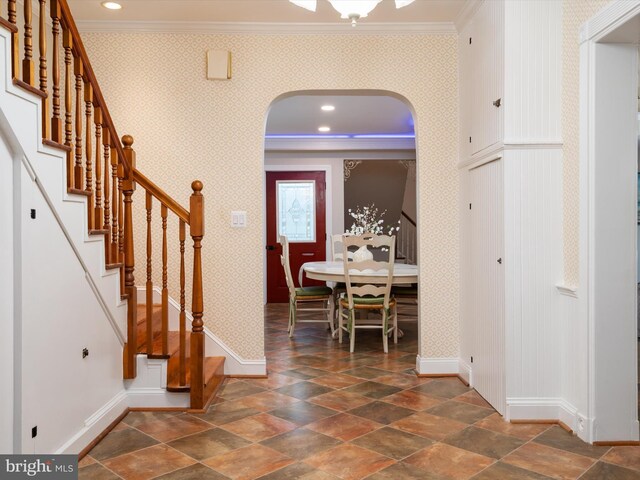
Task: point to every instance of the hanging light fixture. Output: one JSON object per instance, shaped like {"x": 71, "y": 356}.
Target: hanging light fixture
{"x": 351, "y": 9}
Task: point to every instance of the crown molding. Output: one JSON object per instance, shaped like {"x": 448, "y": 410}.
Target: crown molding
{"x": 101, "y": 26}
{"x": 337, "y": 144}
{"x": 467, "y": 13}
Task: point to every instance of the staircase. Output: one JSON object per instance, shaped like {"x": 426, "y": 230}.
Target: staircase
{"x": 407, "y": 240}
{"x": 102, "y": 169}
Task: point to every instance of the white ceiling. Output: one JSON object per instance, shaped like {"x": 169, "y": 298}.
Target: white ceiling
{"x": 259, "y": 11}
{"x": 354, "y": 115}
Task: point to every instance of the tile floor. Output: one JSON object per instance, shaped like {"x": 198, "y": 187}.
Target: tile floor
{"x": 324, "y": 413}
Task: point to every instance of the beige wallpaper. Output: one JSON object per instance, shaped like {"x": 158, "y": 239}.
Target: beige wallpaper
{"x": 186, "y": 127}
{"x": 575, "y": 14}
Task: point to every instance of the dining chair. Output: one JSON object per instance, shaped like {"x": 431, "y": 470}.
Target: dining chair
{"x": 299, "y": 296}
{"x": 366, "y": 292}
{"x": 406, "y": 295}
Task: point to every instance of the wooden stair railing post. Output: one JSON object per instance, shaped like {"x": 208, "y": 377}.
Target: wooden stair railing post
{"x": 28, "y": 73}
{"x": 128, "y": 187}
{"x": 115, "y": 255}
{"x": 165, "y": 290}
{"x": 56, "y": 120}
{"x": 67, "y": 43}
{"x": 98, "y": 212}
{"x": 78, "y": 71}
{"x": 183, "y": 316}
{"x": 196, "y": 223}
{"x": 88, "y": 101}
{"x": 42, "y": 41}
{"x": 15, "y": 40}
{"x": 149, "y": 284}
{"x": 106, "y": 226}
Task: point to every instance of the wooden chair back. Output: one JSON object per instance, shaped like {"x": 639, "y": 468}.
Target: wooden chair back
{"x": 284, "y": 259}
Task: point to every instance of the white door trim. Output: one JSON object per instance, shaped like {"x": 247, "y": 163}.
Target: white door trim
{"x": 608, "y": 340}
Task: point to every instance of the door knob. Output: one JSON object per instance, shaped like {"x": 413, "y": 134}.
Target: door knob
{"x": 270, "y": 247}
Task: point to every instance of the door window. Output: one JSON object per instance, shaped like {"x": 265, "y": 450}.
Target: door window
{"x": 296, "y": 210}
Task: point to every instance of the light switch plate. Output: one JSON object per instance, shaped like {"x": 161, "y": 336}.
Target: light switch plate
{"x": 238, "y": 219}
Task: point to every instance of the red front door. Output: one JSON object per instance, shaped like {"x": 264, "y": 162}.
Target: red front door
{"x": 296, "y": 208}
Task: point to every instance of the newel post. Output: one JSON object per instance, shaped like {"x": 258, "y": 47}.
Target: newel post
{"x": 128, "y": 187}
{"x": 196, "y": 223}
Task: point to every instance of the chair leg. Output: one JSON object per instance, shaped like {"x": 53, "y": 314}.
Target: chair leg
{"x": 340, "y": 323}
{"x": 331, "y": 314}
{"x": 385, "y": 337}
{"x": 395, "y": 323}
{"x": 293, "y": 308}
{"x": 352, "y": 333}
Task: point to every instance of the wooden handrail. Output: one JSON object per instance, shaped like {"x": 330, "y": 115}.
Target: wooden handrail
{"x": 161, "y": 196}
{"x": 78, "y": 47}
{"x": 409, "y": 219}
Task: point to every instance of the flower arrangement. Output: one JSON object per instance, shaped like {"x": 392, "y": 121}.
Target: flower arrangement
{"x": 368, "y": 219}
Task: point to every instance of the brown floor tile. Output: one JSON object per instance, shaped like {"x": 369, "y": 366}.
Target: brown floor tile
{"x": 266, "y": 401}
{"x": 337, "y": 380}
{"x": 96, "y": 472}
{"x": 449, "y": 462}
{"x": 373, "y": 389}
{"x": 148, "y": 463}
{"x": 367, "y": 373}
{"x": 301, "y": 443}
{"x": 299, "y": 471}
{"x": 208, "y": 443}
{"x": 624, "y": 456}
{"x": 340, "y": 400}
{"x": 344, "y": 427}
{"x": 87, "y": 460}
{"x": 381, "y": 412}
{"x": 461, "y": 412}
{"x": 474, "y": 398}
{"x": 302, "y": 413}
{"x": 549, "y": 461}
{"x": 401, "y": 380}
{"x": 136, "y": 418}
{"x": 484, "y": 442}
{"x": 608, "y": 471}
{"x": 124, "y": 426}
{"x": 443, "y": 387}
{"x": 412, "y": 400}
{"x": 235, "y": 390}
{"x": 392, "y": 443}
{"x": 403, "y": 471}
{"x": 304, "y": 373}
{"x": 429, "y": 426}
{"x": 557, "y": 437}
{"x": 121, "y": 442}
{"x": 195, "y": 472}
{"x": 249, "y": 462}
{"x": 349, "y": 462}
{"x": 226, "y": 412}
{"x": 524, "y": 431}
{"x": 307, "y": 361}
{"x": 274, "y": 380}
{"x": 259, "y": 427}
{"x": 303, "y": 390}
{"x": 504, "y": 471}
{"x": 173, "y": 427}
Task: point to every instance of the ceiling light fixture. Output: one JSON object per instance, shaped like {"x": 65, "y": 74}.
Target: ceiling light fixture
{"x": 324, "y": 129}
{"x": 354, "y": 10}
{"x": 327, "y": 108}
{"x": 111, "y": 5}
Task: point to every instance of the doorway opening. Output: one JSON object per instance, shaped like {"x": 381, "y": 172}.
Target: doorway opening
{"x": 327, "y": 152}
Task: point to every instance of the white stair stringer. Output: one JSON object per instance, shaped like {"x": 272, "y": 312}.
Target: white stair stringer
{"x": 20, "y": 120}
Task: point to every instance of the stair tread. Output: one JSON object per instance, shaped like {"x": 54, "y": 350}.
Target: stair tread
{"x": 213, "y": 371}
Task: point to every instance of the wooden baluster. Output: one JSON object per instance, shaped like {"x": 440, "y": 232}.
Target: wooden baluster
{"x": 67, "y": 43}
{"x": 56, "y": 120}
{"x": 128, "y": 187}
{"x": 106, "y": 225}
{"x": 42, "y": 37}
{"x": 196, "y": 222}
{"x": 183, "y": 316}
{"x": 98, "y": 212}
{"x": 28, "y": 73}
{"x": 149, "y": 285}
{"x": 15, "y": 40}
{"x": 165, "y": 291}
{"x": 121, "y": 225}
{"x": 115, "y": 258}
{"x": 88, "y": 101}
{"x": 78, "y": 71}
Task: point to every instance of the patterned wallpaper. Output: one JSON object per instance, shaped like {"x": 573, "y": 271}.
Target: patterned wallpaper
{"x": 575, "y": 13}
{"x": 187, "y": 127}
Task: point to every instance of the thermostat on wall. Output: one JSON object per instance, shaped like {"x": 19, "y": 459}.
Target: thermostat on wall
{"x": 218, "y": 65}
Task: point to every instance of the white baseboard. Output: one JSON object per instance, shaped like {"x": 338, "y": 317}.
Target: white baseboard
{"x": 437, "y": 366}
{"x": 96, "y": 424}
{"x": 214, "y": 346}
{"x": 465, "y": 371}
{"x": 546, "y": 409}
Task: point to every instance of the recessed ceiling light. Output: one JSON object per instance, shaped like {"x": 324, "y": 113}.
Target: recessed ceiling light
{"x": 324, "y": 129}
{"x": 327, "y": 108}
{"x": 111, "y": 5}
